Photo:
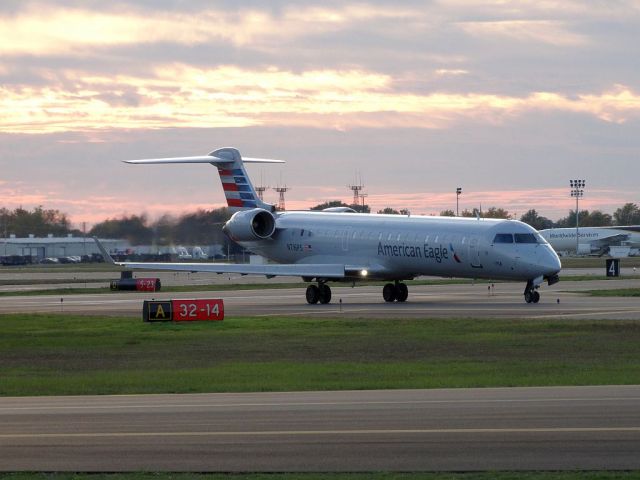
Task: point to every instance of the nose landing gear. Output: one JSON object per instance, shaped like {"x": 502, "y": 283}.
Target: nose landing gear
{"x": 531, "y": 295}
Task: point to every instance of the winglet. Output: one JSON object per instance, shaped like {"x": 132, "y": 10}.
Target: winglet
{"x": 103, "y": 251}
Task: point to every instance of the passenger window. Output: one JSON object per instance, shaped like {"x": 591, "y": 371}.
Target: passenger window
{"x": 525, "y": 238}
{"x": 503, "y": 238}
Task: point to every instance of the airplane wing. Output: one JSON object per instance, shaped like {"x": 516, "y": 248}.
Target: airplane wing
{"x": 269, "y": 270}
{"x": 324, "y": 270}
{"x": 610, "y": 240}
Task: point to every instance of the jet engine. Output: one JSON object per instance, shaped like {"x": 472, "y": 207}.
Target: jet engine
{"x": 250, "y": 225}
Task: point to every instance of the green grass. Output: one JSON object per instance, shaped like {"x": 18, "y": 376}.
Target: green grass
{"x": 616, "y": 292}
{"x": 65, "y": 355}
{"x": 65, "y": 267}
{"x": 595, "y": 262}
{"x": 625, "y": 475}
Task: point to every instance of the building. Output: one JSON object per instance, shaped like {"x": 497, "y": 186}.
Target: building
{"x": 56, "y": 247}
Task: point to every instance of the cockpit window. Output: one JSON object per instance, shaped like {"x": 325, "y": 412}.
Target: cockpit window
{"x": 525, "y": 238}
{"x": 503, "y": 238}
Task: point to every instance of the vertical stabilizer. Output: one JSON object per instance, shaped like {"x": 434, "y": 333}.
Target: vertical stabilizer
{"x": 238, "y": 189}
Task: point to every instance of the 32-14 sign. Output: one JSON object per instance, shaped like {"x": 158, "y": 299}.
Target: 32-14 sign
{"x": 200, "y": 309}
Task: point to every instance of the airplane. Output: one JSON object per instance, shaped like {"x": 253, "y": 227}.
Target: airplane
{"x": 619, "y": 241}
{"x": 340, "y": 245}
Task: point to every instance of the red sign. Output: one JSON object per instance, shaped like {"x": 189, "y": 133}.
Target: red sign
{"x": 204, "y": 309}
{"x": 147, "y": 284}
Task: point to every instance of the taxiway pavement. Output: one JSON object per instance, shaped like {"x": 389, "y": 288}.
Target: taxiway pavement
{"x": 480, "y": 300}
{"x": 555, "y": 428}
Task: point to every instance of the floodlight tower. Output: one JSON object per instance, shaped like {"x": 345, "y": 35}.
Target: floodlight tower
{"x": 281, "y": 191}
{"x": 362, "y": 195}
{"x": 577, "y": 191}
{"x": 356, "y": 189}
{"x": 458, "y": 192}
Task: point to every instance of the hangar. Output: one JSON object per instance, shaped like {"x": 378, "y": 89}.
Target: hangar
{"x": 56, "y": 247}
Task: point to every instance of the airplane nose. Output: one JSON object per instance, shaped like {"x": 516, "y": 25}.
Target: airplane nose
{"x": 550, "y": 262}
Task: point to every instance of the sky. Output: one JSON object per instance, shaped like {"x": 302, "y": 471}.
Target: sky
{"x": 506, "y": 99}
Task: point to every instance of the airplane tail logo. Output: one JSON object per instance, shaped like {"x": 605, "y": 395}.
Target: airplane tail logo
{"x": 455, "y": 255}
{"x": 236, "y": 184}
{"x": 237, "y": 189}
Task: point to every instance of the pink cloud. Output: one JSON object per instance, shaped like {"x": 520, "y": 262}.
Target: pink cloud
{"x": 553, "y": 203}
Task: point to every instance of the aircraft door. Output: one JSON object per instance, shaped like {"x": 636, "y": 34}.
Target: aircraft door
{"x": 474, "y": 252}
{"x": 345, "y": 239}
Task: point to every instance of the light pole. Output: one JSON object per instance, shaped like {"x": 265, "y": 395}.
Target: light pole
{"x": 577, "y": 191}
{"x": 458, "y": 192}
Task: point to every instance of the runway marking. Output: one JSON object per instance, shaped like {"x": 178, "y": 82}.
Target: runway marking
{"x": 324, "y": 432}
{"x": 316, "y": 404}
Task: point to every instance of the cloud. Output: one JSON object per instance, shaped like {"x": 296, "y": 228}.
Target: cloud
{"x": 178, "y": 95}
{"x": 551, "y": 32}
{"x": 46, "y": 30}
{"x": 444, "y": 72}
{"x": 569, "y": 10}
{"x": 551, "y": 202}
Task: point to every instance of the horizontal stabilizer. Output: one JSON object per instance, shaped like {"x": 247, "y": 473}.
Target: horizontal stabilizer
{"x": 202, "y": 159}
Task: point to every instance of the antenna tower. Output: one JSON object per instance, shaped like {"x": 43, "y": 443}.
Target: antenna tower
{"x": 281, "y": 191}
{"x": 356, "y": 189}
{"x": 260, "y": 191}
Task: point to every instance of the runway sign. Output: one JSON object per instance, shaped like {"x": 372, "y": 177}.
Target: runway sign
{"x": 137, "y": 284}
{"x": 613, "y": 267}
{"x": 183, "y": 310}
{"x": 157, "y": 311}
{"x": 201, "y": 309}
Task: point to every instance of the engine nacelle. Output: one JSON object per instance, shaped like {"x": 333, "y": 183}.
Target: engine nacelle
{"x": 586, "y": 249}
{"x": 250, "y": 225}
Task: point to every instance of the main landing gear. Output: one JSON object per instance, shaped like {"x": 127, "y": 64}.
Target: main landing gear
{"x": 531, "y": 295}
{"x": 395, "y": 291}
{"x": 318, "y": 293}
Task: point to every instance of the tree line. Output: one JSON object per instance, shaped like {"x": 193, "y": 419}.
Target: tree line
{"x": 204, "y": 227}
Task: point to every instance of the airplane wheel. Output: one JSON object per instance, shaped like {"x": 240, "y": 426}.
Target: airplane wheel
{"x": 402, "y": 292}
{"x": 536, "y": 297}
{"x": 325, "y": 293}
{"x": 528, "y": 296}
{"x": 389, "y": 292}
{"x": 313, "y": 294}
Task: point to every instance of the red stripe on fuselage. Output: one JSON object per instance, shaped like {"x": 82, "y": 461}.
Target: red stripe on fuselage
{"x": 230, "y": 187}
{"x": 234, "y": 202}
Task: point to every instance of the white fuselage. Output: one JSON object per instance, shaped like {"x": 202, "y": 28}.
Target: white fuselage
{"x": 395, "y": 246}
{"x": 591, "y": 239}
